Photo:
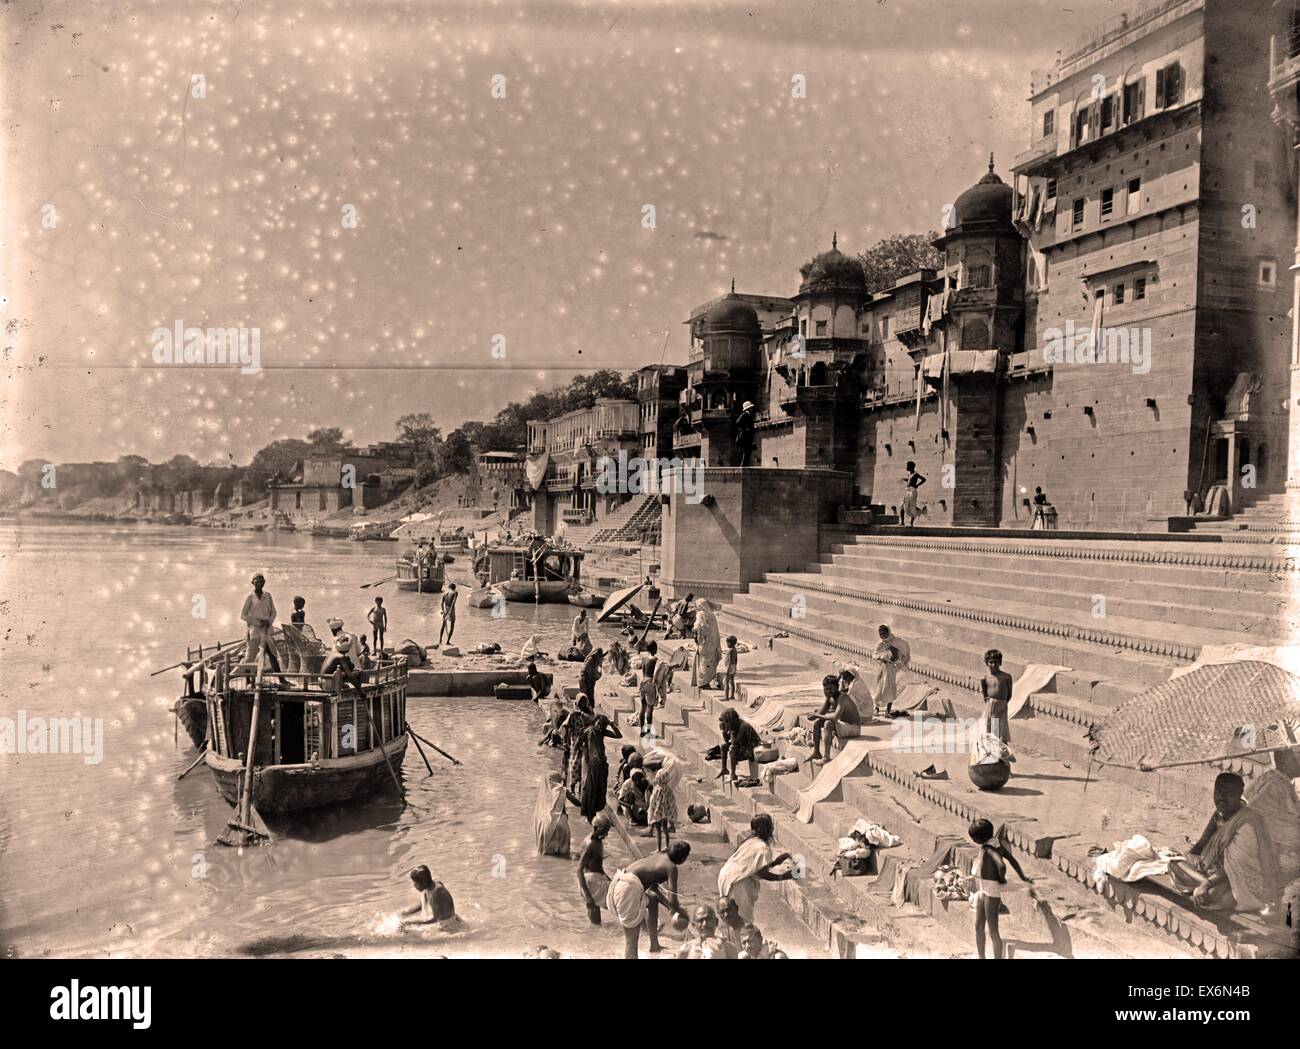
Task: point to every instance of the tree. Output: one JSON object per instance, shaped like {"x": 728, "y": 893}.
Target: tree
{"x": 455, "y": 454}
{"x": 277, "y": 457}
{"x": 419, "y": 432}
{"x": 898, "y": 255}
{"x": 326, "y": 438}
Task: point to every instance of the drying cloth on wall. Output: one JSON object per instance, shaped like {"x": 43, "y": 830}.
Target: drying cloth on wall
{"x": 535, "y": 469}
{"x": 828, "y": 779}
{"x": 1034, "y": 678}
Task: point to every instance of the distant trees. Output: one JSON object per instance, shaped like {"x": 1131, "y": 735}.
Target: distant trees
{"x": 326, "y": 438}
{"x": 898, "y": 255}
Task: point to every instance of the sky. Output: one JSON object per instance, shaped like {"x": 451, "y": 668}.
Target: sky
{"x": 440, "y": 207}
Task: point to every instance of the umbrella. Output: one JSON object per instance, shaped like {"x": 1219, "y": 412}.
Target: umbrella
{"x": 617, "y": 600}
{"x": 1213, "y": 713}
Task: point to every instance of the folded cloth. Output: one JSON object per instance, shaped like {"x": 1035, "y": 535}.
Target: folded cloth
{"x": 1131, "y": 860}
{"x": 875, "y": 834}
{"x": 828, "y": 779}
{"x": 625, "y": 899}
{"x": 780, "y": 767}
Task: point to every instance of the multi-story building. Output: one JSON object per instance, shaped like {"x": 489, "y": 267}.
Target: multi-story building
{"x": 1110, "y": 327}
{"x": 658, "y": 390}
{"x": 563, "y": 456}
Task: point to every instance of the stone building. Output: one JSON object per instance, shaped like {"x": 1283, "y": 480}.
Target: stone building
{"x": 659, "y": 388}
{"x": 1108, "y": 325}
{"x": 561, "y": 465}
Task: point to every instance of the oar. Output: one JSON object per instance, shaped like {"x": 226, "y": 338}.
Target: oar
{"x": 435, "y": 746}
{"x": 366, "y": 586}
{"x": 195, "y": 763}
{"x": 421, "y": 750}
{"x": 184, "y": 661}
{"x": 648, "y": 624}
{"x": 241, "y": 830}
{"x": 374, "y": 735}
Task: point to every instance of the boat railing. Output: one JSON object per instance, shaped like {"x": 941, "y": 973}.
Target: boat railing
{"x": 389, "y": 673}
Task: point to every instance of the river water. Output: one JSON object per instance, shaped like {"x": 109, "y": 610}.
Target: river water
{"x": 116, "y": 857}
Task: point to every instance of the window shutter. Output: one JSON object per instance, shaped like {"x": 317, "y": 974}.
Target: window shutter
{"x": 1160, "y": 89}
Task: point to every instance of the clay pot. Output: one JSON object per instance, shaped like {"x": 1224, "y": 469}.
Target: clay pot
{"x": 992, "y": 776}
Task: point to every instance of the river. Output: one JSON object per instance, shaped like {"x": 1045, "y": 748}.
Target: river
{"x": 115, "y": 857}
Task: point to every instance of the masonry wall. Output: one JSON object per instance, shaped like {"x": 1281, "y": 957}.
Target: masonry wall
{"x": 752, "y": 522}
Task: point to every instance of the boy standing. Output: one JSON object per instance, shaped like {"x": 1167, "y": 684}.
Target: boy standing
{"x": 378, "y": 617}
{"x": 729, "y": 669}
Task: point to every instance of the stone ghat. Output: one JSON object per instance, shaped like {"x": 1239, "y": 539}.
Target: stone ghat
{"x": 860, "y": 915}
{"x": 1052, "y": 811}
{"x": 1038, "y": 601}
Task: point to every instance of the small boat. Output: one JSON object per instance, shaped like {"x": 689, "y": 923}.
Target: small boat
{"x": 372, "y": 531}
{"x": 586, "y": 599}
{"x": 534, "y": 569}
{"x": 318, "y": 742}
{"x": 425, "y": 577}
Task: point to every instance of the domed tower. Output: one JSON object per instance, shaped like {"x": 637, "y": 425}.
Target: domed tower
{"x": 722, "y": 375}
{"x": 984, "y": 306}
{"x": 820, "y": 370}
{"x": 984, "y": 264}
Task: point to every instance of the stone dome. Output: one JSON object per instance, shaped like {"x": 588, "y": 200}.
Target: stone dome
{"x": 988, "y": 201}
{"x": 732, "y": 314}
{"x": 832, "y": 271}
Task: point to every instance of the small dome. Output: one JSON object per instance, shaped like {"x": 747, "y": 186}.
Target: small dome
{"x": 832, "y": 270}
{"x": 988, "y": 201}
{"x": 732, "y": 314}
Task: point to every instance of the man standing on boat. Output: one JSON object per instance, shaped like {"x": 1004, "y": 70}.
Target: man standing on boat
{"x": 259, "y": 616}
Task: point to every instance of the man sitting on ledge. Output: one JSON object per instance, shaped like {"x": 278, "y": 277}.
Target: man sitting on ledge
{"x": 1234, "y": 864}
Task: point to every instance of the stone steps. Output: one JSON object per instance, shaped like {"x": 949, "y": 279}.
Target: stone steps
{"x": 1254, "y": 611}
{"x": 689, "y": 728}
{"x": 959, "y": 635}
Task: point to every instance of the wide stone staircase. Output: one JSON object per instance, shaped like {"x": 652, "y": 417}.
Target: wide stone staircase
{"x": 1119, "y": 614}
{"x": 635, "y": 522}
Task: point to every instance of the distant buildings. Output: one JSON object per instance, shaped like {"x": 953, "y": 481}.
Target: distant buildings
{"x": 332, "y": 480}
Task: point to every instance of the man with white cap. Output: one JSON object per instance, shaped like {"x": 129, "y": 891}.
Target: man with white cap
{"x": 259, "y": 616}
{"x": 745, "y": 433}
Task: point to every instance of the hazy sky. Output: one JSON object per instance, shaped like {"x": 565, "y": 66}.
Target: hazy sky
{"x": 476, "y": 216}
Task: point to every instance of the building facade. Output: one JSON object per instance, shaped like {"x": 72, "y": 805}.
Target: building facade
{"x": 1108, "y": 325}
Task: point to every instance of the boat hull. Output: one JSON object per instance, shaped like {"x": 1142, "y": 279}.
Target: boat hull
{"x": 547, "y": 591}
{"x": 192, "y": 711}
{"x": 299, "y": 788}
{"x": 434, "y": 577}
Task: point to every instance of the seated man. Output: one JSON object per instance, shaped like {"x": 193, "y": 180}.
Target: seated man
{"x": 1234, "y": 864}
{"x": 346, "y": 657}
{"x": 838, "y": 718}
{"x": 707, "y": 942}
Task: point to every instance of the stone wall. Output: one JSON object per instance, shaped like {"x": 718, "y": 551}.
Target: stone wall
{"x": 750, "y": 522}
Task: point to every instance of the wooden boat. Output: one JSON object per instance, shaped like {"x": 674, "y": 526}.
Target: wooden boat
{"x": 530, "y": 570}
{"x": 586, "y": 599}
{"x": 428, "y": 579}
{"x": 191, "y": 709}
{"x": 318, "y": 741}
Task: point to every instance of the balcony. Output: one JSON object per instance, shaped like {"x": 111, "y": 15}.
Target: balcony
{"x": 1043, "y": 149}
{"x": 1284, "y": 60}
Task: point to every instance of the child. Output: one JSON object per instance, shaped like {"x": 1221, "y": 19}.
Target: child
{"x": 378, "y": 617}
{"x": 299, "y": 616}
{"x": 662, "y": 810}
{"x": 436, "y": 904}
{"x": 990, "y": 872}
{"x": 729, "y": 670}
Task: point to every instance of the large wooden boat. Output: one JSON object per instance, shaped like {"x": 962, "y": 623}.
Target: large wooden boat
{"x": 318, "y": 742}
{"x": 425, "y": 577}
{"x": 530, "y": 570}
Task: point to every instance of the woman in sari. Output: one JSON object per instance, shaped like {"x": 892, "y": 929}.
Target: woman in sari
{"x": 595, "y": 765}
{"x": 550, "y": 824}
{"x": 891, "y": 653}
{"x": 591, "y": 673}
{"x": 708, "y": 643}
{"x": 577, "y": 722}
